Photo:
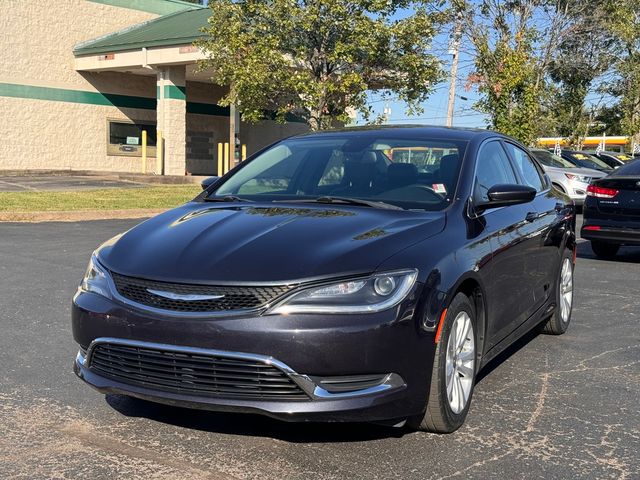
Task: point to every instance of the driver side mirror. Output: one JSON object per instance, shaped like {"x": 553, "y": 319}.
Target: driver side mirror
{"x": 504, "y": 195}
{"x": 207, "y": 182}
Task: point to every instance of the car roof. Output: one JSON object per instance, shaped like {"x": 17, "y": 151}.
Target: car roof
{"x": 440, "y": 132}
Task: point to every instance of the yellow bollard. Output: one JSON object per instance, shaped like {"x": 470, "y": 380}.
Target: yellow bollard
{"x": 244, "y": 153}
{"x": 219, "y": 172}
{"x": 226, "y": 157}
{"x": 144, "y": 151}
{"x": 159, "y": 153}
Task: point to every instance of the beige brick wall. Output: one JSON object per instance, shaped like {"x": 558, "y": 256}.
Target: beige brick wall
{"x": 38, "y": 39}
{"x": 55, "y": 135}
{"x": 36, "y": 49}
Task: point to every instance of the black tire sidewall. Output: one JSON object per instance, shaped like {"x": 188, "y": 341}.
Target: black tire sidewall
{"x": 460, "y": 303}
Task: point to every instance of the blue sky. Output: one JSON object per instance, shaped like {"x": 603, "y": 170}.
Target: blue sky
{"x": 435, "y": 108}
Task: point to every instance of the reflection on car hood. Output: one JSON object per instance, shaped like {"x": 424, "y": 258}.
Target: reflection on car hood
{"x": 212, "y": 243}
{"x": 586, "y": 172}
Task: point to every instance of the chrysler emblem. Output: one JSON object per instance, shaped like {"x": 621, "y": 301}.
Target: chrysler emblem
{"x": 185, "y": 297}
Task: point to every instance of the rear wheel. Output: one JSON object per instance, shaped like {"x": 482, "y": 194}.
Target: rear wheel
{"x": 604, "y": 250}
{"x": 559, "y": 321}
{"x": 454, "y": 369}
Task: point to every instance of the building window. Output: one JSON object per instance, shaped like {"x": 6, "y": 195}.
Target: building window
{"x": 125, "y": 138}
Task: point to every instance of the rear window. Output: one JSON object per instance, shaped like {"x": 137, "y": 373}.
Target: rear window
{"x": 630, "y": 169}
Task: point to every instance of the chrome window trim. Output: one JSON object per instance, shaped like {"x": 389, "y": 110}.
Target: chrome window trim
{"x": 312, "y": 389}
{"x": 469, "y": 208}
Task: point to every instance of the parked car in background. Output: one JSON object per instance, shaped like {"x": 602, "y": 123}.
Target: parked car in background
{"x": 320, "y": 281}
{"x": 613, "y": 159}
{"x": 612, "y": 211}
{"x": 565, "y": 176}
{"x": 584, "y": 160}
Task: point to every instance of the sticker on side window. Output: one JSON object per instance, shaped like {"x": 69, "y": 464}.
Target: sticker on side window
{"x": 439, "y": 188}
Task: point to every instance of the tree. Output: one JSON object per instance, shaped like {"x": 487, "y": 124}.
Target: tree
{"x": 624, "y": 21}
{"x": 316, "y": 59}
{"x": 582, "y": 54}
{"x": 504, "y": 34}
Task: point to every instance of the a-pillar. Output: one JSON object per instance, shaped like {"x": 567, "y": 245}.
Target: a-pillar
{"x": 172, "y": 118}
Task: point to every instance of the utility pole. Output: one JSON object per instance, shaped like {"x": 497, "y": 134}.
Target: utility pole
{"x": 454, "y": 52}
{"x": 386, "y": 113}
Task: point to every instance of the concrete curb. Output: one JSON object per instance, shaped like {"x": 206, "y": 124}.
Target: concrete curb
{"x": 77, "y": 215}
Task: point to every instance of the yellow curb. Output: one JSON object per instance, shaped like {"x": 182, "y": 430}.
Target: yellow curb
{"x": 78, "y": 215}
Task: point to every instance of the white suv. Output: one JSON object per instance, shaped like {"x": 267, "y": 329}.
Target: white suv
{"x": 565, "y": 176}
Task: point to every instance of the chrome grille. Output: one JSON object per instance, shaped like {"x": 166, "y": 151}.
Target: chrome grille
{"x": 232, "y": 297}
{"x": 193, "y": 373}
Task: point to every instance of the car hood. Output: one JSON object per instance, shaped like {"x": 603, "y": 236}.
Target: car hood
{"x": 587, "y": 172}
{"x": 218, "y": 243}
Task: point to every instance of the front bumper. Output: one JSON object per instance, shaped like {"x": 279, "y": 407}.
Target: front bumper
{"x": 307, "y": 347}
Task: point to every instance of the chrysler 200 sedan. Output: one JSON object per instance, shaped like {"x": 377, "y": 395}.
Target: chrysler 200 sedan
{"x": 355, "y": 275}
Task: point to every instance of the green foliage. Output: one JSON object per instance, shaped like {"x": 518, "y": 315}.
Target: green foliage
{"x": 506, "y": 68}
{"x": 317, "y": 58}
{"x": 624, "y": 22}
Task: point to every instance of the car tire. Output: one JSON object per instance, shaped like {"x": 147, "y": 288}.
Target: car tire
{"x": 559, "y": 321}
{"x": 440, "y": 416}
{"x": 603, "y": 249}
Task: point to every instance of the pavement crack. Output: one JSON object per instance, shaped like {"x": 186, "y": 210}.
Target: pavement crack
{"x": 88, "y": 437}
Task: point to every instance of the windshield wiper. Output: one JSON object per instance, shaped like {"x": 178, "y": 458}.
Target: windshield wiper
{"x": 345, "y": 200}
{"x": 226, "y": 198}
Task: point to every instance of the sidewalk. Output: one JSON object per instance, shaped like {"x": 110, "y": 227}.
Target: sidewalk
{"x": 66, "y": 180}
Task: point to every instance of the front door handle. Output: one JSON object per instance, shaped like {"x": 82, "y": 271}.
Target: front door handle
{"x": 532, "y": 216}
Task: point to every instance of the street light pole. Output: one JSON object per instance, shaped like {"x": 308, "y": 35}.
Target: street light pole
{"x": 454, "y": 51}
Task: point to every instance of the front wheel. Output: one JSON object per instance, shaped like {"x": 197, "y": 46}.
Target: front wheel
{"x": 558, "y": 323}
{"x": 453, "y": 373}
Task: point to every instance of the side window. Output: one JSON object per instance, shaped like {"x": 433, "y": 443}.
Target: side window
{"x": 334, "y": 171}
{"x": 492, "y": 168}
{"x": 526, "y": 167}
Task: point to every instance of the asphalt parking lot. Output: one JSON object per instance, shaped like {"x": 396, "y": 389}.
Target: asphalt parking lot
{"x": 552, "y": 407}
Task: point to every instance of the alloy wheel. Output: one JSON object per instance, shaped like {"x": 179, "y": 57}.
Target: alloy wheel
{"x": 460, "y": 364}
{"x": 566, "y": 290}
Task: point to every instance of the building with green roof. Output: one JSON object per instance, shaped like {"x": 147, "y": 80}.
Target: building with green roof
{"x": 81, "y": 82}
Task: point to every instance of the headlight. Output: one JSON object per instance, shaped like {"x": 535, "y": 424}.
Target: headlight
{"x": 360, "y": 295}
{"x": 578, "y": 178}
{"x": 95, "y": 279}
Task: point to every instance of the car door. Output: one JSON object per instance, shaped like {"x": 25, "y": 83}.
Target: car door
{"x": 509, "y": 297}
{"x": 542, "y": 254}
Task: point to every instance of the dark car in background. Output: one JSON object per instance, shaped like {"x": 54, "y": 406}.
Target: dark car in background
{"x": 613, "y": 159}
{"x": 612, "y": 211}
{"x": 585, "y": 160}
{"x": 357, "y": 275}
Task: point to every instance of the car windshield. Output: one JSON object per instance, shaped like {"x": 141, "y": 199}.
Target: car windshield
{"x": 550, "y": 160}
{"x": 588, "y": 161}
{"x": 385, "y": 169}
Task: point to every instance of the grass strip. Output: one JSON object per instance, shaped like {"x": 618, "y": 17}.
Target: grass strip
{"x": 157, "y": 197}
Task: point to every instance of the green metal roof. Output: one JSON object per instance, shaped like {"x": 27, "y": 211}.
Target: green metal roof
{"x": 175, "y": 29}
{"x": 159, "y": 7}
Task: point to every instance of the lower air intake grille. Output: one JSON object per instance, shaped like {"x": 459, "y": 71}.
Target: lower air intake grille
{"x": 231, "y": 298}
{"x": 195, "y": 374}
